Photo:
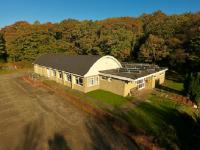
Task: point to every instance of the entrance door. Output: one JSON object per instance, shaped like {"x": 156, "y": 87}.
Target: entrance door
{"x": 157, "y": 83}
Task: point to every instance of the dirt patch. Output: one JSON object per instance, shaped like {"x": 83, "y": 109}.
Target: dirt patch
{"x": 37, "y": 119}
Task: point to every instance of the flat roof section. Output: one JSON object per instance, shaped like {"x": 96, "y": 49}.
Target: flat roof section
{"x": 134, "y": 71}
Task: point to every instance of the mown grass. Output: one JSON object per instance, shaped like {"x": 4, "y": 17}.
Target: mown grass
{"x": 170, "y": 122}
{"x": 81, "y": 96}
{"x": 178, "y": 86}
{"x": 108, "y": 97}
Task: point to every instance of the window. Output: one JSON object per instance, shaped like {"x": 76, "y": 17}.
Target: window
{"x": 54, "y": 73}
{"x": 93, "y": 81}
{"x": 60, "y": 75}
{"x": 79, "y": 81}
{"x": 140, "y": 84}
{"x": 68, "y": 77}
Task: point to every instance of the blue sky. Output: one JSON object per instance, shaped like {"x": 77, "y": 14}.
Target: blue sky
{"x": 58, "y": 10}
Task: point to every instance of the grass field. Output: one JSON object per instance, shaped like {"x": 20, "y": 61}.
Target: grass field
{"x": 174, "y": 85}
{"x": 170, "y": 122}
{"x": 108, "y": 97}
{"x": 167, "y": 120}
{"x": 8, "y": 68}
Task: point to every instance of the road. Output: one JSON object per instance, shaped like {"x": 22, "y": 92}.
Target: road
{"x": 37, "y": 119}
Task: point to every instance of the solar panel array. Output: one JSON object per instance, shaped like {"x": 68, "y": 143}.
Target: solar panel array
{"x": 137, "y": 68}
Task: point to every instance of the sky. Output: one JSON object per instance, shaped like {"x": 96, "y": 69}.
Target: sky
{"x": 58, "y": 10}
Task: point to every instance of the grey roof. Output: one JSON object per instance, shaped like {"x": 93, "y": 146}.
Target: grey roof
{"x": 79, "y": 64}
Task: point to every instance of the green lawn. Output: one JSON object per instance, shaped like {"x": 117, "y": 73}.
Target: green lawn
{"x": 170, "y": 122}
{"x": 107, "y": 97}
{"x": 167, "y": 120}
{"x": 178, "y": 86}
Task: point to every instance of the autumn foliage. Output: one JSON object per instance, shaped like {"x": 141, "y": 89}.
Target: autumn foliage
{"x": 172, "y": 41}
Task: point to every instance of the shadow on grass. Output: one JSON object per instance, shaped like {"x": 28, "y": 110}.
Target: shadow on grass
{"x": 174, "y": 76}
{"x": 172, "y": 129}
{"x": 165, "y": 88}
{"x": 105, "y": 137}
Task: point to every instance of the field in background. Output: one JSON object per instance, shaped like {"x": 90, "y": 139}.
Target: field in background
{"x": 7, "y": 68}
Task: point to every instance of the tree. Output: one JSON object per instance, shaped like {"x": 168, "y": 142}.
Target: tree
{"x": 37, "y": 22}
{"x": 3, "y": 54}
{"x": 192, "y": 87}
{"x": 194, "y": 46}
{"x": 177, "y": 59}
{"x": 170, "y": 40}
{"x": 153, "y": 50}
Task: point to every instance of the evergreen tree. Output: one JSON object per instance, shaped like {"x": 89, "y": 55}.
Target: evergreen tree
{"x": 2, "y": 48}
{"x": 192, "y": 87}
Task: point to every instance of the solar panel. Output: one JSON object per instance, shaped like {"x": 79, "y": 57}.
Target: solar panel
{"x": 138, "y": 67}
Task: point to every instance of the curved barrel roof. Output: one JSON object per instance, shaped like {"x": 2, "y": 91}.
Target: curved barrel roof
{"x": 79, "y": 64}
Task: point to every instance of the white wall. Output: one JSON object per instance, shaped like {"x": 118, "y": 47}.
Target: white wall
{"x": 104, "y": 63}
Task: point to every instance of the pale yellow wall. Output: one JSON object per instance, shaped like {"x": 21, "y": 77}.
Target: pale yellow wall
{"x": 88, "y": 88}
{"x": 162, "y": 78}
{"x": 158, "y": 76}
{"x": 35, "y": 68}
{"x": 116, "y": 86}
{"x": 128, "y": 87}
{"x": 149, "y": 82}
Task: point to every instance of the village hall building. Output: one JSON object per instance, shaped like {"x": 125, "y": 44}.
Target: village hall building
{"x": 91, "y": 72}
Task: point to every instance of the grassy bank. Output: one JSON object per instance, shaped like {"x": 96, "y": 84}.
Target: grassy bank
{"x": 169, "y": 122}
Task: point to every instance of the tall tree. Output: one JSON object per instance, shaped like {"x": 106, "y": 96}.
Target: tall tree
{"x": 3, "y": 54}
{"x": 153, "y": 50}
{"x": 192, "y": 87}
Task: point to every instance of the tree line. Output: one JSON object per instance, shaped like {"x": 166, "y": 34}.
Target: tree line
{"x": 168, "y": 40}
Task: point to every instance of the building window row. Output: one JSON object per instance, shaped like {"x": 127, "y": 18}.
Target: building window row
{"x": 67, "y": 76}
